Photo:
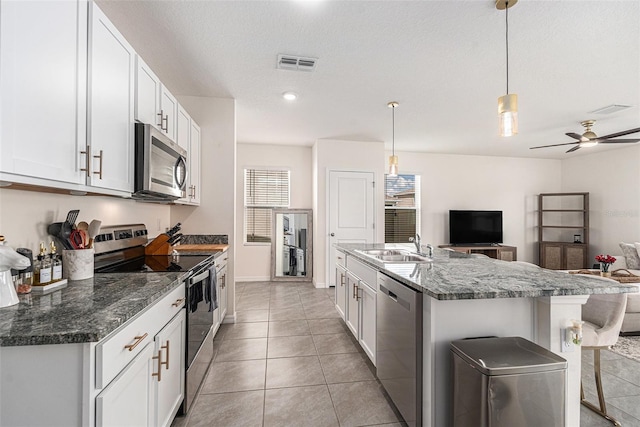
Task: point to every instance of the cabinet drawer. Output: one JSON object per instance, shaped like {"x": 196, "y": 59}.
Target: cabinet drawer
{"x": 364, "y": 272}
{"x": 121, "y": 347}
{"x": 341, "y": 258}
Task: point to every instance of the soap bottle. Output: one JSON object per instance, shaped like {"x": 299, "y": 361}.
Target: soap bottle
{"x": 56, "y": 263}
{"x": 42, "y": 268}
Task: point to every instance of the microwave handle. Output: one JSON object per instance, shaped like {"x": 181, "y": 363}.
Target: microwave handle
{"x": 179, "y": 162}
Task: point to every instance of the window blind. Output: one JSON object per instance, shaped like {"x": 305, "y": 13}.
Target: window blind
{"x": 264, "y": 190}
{"x": 402, "y": 208}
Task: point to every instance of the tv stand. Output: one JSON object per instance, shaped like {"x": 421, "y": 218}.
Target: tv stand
{"x": 496, "y": 251}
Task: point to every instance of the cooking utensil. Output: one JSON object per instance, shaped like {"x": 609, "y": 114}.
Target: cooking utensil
{"x": 77, "y": 239}
{"x": 65, "y": 234}
{"x": 94, "y": 230}
{"x": 72, "y": 216}
{"x": 173, "y": 230}
{"x": 54, "y": 230}
{"x": 84, "y": 226}
{"x": 175, "y": 239}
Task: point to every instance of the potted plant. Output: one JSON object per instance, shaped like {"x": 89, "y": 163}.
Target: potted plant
{"x": 605, "y": 262}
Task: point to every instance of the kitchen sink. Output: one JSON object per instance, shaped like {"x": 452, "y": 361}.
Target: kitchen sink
{"x": 393, "y": 255}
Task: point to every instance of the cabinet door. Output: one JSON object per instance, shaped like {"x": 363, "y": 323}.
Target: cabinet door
{"x": 169, "y": 386}
{"x": 352, "y": 316}
{"x": 169, "y": 111}
{"x": 194, "y": 164}
{"x": 367, "y": 339}
{"x": 43, "y": 69}
{"x": 507, "y": 254}
{"x": 551, "y": 256}
{"x": 128, "y": 399}
{"x": 341, "y": 290}
{"x": 147, "y": 99}
{"x": 575, "y": 257}
{"x": 111, "y": 72}
{"x": 183, "y": 140}
{"x": 222, "y": 296}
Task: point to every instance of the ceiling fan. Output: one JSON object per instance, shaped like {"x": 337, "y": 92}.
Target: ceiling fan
{"x": 590, "y": 139}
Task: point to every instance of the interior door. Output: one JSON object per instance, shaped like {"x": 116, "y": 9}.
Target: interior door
{"x": 351, "y": 212}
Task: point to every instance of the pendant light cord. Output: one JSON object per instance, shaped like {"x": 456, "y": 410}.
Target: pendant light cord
{"x": 393, "y": 130}
{"x": 507, "y": 39}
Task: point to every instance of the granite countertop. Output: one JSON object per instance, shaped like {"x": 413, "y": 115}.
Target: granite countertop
{"x": 84, "y": 310}
{"x": 454, "y": 275}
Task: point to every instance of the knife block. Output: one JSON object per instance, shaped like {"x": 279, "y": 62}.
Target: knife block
{"x": 159, "y": 246}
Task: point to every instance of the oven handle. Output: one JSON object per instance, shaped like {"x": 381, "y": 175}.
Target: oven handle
{"x": 200, "y": 277}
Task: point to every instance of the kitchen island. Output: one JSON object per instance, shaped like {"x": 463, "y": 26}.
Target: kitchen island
{"x": 469, "y": 296}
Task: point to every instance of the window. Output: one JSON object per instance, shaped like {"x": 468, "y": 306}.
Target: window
{"x": 401, "y": 207}
{"x": 263, "y": 190}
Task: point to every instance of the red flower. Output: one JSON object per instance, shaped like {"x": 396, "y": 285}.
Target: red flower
{"x": 605, "y": 259}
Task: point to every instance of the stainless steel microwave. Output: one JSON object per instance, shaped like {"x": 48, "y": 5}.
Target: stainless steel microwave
{"x": 160, "y": 168}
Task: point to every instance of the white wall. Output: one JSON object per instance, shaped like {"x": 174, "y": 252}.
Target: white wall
{"x": 24, "y": 215}
{"x": 482, "y": 183}
{"x": 254, "y": 261}
{"x": 356, "y": 156}
{"x": 612, "y": 179}
{"x": 215, "y": 215}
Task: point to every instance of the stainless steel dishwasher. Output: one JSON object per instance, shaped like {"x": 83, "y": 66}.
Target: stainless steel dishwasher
{"x": 399, "y": 346}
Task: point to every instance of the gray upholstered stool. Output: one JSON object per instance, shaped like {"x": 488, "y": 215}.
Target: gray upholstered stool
{"x": 602, "y": 315}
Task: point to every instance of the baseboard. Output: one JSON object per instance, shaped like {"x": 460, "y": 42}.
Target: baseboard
{"x": 229, "y": 318}
{"x": 253, "y": 279}
{"x": 319, "y": 285}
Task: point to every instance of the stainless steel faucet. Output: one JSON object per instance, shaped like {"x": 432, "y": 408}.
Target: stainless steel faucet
{"x": 416, "y": 241}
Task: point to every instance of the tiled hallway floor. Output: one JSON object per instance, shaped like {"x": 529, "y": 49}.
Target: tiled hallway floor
{"x": 288, "y": 361}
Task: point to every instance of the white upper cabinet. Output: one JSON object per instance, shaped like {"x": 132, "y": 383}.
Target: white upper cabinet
{"x": 194, "y": 164}
{"x": 147, "y": 100}
{"x": 43, "y": 49}
{"x": 168, "y": 112}
{"x": 183, "y": 128}
{"x": 111, "y": 89}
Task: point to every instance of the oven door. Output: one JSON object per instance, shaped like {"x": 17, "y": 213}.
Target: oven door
{"x": 161, "y": 167}
{"x": 199, "y": 351}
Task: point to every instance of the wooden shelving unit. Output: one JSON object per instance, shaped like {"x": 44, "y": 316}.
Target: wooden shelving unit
{"x": 562, "y": 252}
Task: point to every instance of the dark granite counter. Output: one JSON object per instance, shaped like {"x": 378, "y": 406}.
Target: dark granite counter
{"x": 453, "y": 276}
{"x": 84, "y": 310}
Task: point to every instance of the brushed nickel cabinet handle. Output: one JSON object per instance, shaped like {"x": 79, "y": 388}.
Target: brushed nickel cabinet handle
{"x": 355, "y": 291}
{"x": 87, "y": 160}
{"x": 100, "y": 157}
{"x": 341, "y": 279}
{"x": 139, "y": 339}
{"x": 178, "y": 302}
{"x": 159, "y": 359}
{"x": 161, "y": 114}
{"x": 166, "y": 362}
{"x": 166, "y": 120}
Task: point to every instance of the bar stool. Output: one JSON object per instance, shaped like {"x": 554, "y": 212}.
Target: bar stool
{"x": 602, "y": 316}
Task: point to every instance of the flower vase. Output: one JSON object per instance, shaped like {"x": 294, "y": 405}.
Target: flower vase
{"x": 605, "y": 273}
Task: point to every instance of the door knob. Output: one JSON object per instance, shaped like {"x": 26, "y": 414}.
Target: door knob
{"x": 332, "y": 234}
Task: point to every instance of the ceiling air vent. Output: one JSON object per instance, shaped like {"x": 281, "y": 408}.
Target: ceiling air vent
{"x": 610, "y": 109}
{"x": 296, "y": 63}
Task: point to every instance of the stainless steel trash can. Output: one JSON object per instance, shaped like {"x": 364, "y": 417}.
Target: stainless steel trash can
{"x": 506, "y": 382}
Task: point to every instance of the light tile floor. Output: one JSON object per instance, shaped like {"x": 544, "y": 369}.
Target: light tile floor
{"x": 290, "y": 361}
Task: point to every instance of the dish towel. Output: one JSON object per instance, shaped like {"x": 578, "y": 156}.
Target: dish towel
{"x": 195, "y": 296}
{"x": 210, "y": 294}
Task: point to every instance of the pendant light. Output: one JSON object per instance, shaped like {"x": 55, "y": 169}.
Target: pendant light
{"x": 507, "y": 104}
{"x": 393, "y": 159}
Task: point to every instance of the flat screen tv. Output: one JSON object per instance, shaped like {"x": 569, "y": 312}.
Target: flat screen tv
{"x": 475, "y": 227}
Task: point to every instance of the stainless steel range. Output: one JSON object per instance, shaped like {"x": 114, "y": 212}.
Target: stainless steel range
{"x": 120, "y": 249}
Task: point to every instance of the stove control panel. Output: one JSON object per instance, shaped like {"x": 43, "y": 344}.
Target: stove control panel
{"x": 119, "y": 237}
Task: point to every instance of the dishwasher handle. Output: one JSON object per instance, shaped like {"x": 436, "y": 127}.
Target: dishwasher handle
{"x": 393, "y": 296}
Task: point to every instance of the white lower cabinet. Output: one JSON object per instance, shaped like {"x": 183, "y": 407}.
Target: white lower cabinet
{"x": 341, "y": 290}
{"x": 367, "y": 309}
{"x": 127, "y": 400}
{"x": 356, "y": 301}
{"x": 221, "y": 291}
{"x": 169, "y": 384}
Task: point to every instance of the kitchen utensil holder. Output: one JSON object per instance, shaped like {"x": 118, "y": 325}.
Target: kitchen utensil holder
{"x": 78, "y": 264}
{"x": 159, "y": 246}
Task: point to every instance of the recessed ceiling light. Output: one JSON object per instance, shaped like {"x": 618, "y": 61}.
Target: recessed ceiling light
{"x": 290, "y": 96}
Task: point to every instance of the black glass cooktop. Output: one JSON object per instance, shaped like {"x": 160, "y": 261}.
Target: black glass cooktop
{"x": 152, "y": 263}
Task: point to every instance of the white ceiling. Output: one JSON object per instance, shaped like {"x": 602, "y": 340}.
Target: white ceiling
{"x": 443, "y": 61}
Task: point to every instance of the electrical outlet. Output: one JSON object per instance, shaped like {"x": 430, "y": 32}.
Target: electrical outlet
{"x": 158, "y": 225}
{"x": 567, "y": 344}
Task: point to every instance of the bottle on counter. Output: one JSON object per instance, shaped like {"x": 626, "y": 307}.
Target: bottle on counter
{"x": 25, "y": 277}
{"x": 56, "y": 263}
{"x": 42, "y": 268}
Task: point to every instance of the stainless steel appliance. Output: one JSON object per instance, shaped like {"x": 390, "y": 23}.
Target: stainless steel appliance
{"x": 160, "y": 166}
{"x": 119, "y": 249}
{"x": 500, "y": 382}
{"x": 399, "y": 346}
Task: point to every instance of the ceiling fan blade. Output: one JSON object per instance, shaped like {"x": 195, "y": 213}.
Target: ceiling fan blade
{"x": 574, "y": 135}
{"x": 554, "y": 145}
{"x": 623, "y": 133}
{"x": 622, "y": 141}
{"x": 577, "y": 147}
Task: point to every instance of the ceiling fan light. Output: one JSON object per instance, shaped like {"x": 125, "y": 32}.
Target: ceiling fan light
{"x": 508, "y": 114}
{"x": 588, "y": 144}
{"x": 393, "y": 166}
